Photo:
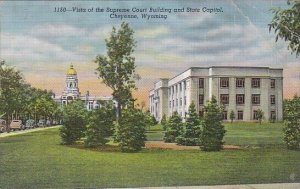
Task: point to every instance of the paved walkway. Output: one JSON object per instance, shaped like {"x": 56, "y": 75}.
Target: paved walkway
{"x": 12, "y": 133}
{"x": 243, "y": 186}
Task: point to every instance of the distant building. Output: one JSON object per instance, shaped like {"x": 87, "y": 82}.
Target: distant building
{"x": 72, "y": 92}
{"x": 241, "y": 89}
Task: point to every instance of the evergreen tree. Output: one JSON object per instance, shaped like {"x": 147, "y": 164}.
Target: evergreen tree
{"x": 100, "y": 126}
{"x": 174, "y": 128}
{"x": 74, "y": 122}
{"x": 259, "y": 115}
{"x": 163, "y": 122}
{"x": 192, "y": 132}
{"x": 213, "y": 131}
{"x": 292, "y": 123}
{"x": 232, "y": 115}
{"x": 131, "y": 130}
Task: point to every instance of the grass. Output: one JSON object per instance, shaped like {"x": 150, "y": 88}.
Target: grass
{"x": 239, "y": 133}
{"x": 254, "y": 134}
{"x": 37, "y": 160}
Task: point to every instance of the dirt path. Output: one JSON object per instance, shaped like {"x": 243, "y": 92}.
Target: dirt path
{"x": 174, "y": 146}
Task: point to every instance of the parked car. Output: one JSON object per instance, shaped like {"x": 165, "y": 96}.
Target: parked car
{"x": 2, "y": 125}
{"x": 30, "y": 123}
{"x": 42, "y": 123}
{"x": 16, "y": 124}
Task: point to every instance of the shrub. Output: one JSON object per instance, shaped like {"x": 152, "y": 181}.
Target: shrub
{"x": 232, "y": 115}
{"x": 192, "y": 132}
{"x": 74, "y": 122}
{"x": 163, "y": 122}
{"x": 174, "y": 128}
{"x": 213, "y": 131}
{"x": 131, "y": 131}
{"x": 292, "y": 123}
{"x": 100, "y": 126}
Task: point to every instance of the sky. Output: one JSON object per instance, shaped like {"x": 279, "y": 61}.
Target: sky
{"x": 42, "y": 43}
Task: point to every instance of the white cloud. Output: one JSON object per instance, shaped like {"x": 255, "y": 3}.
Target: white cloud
{"x": 62, "y": 30}
{"x": 27, "y": 48}
{"x": 153, "y": 32}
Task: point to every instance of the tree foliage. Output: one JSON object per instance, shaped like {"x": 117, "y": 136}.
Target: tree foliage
{"x": 292, "y": 123}
{"x": 131, "y": 130}
{"x": 232, "y": 115}
{"x": 192, "y": 132}
{"x": 286, "y": 25}
{"x": 163, "y": 122}
{"x": 174, "y": 128}
{"x": 73, "y": 129}
{"x": 260, "y": 115}
{"x": 100, "y": 126}
{"x": 117, "y": 68}
{"x": 213, "y": 131}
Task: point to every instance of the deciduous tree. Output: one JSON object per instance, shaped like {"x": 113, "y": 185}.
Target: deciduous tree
{"x": 117, "y": 68}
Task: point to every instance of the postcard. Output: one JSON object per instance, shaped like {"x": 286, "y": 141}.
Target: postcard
{"x": 162, "y": 93}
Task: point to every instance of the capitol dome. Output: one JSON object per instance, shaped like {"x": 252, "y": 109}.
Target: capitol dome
{"x": 71, "y": 70}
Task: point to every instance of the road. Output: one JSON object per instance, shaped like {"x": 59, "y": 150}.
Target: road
{"x": 13, "y": 133}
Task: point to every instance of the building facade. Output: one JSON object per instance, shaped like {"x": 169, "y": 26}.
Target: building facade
{"x": 243, "y": 90}
{"x": 71, "y": 92}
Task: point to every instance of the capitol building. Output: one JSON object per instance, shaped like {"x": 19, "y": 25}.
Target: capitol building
{"x": 71, "y": 92}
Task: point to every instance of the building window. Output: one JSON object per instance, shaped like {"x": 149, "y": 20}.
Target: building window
{"x": 255, "y": 115}
{"x": 180, "y": 89}
{"x": 170, "y": 104}
{"x": 176, "y": 102}
{"x": 224, "y": 98}
{"x": 173, "y": 103}
{"x": 240, "y": 82}
{"x": 272, "y": 99}
{"x": 240, "y": 115}
{"x": 201, "y": 99}
{"x": 201, "y": 83}
{"x": 172, "y": 90}
{"x": 240, "y": 99}
{"x": 273, "y": 115}
{"x": 201, "y": 113}
{"x": 176, "y": 89}
{"x": 180, "y": 101}
{"x": 256, "y": 99}
{"x": 184, "y": 85}
{"x": 184, "y": 100}
{"x": 255, "y": 82}
{"x": 224, "y": 82}
{"x": 224, "y": 115}
{"x": 272, "y": 83}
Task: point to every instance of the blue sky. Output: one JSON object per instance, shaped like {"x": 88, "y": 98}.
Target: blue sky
{"x": 42, "y": 43}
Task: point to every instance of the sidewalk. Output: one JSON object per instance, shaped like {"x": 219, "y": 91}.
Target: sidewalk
{"x": 242, "y": 186}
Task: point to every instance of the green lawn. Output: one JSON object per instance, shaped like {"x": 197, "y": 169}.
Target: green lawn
{"x": 254, "y": 134}
{"x": 239, "y": 133}
{"x": 37, "y": 160}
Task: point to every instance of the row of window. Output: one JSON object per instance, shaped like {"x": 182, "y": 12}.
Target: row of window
{"x": 239, "y": 82}
{"x": 173, "y": 103}
{"x": 240, "y": 99}
{"x": 240, "y": 115}
{"x": 176, "y": 88}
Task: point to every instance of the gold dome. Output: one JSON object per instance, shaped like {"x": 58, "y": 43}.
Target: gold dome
{"x": 71, "y": 70}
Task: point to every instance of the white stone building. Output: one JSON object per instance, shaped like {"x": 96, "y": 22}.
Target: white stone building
{"x": 72, "y": 92}
{"x": 241, "y": 89}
